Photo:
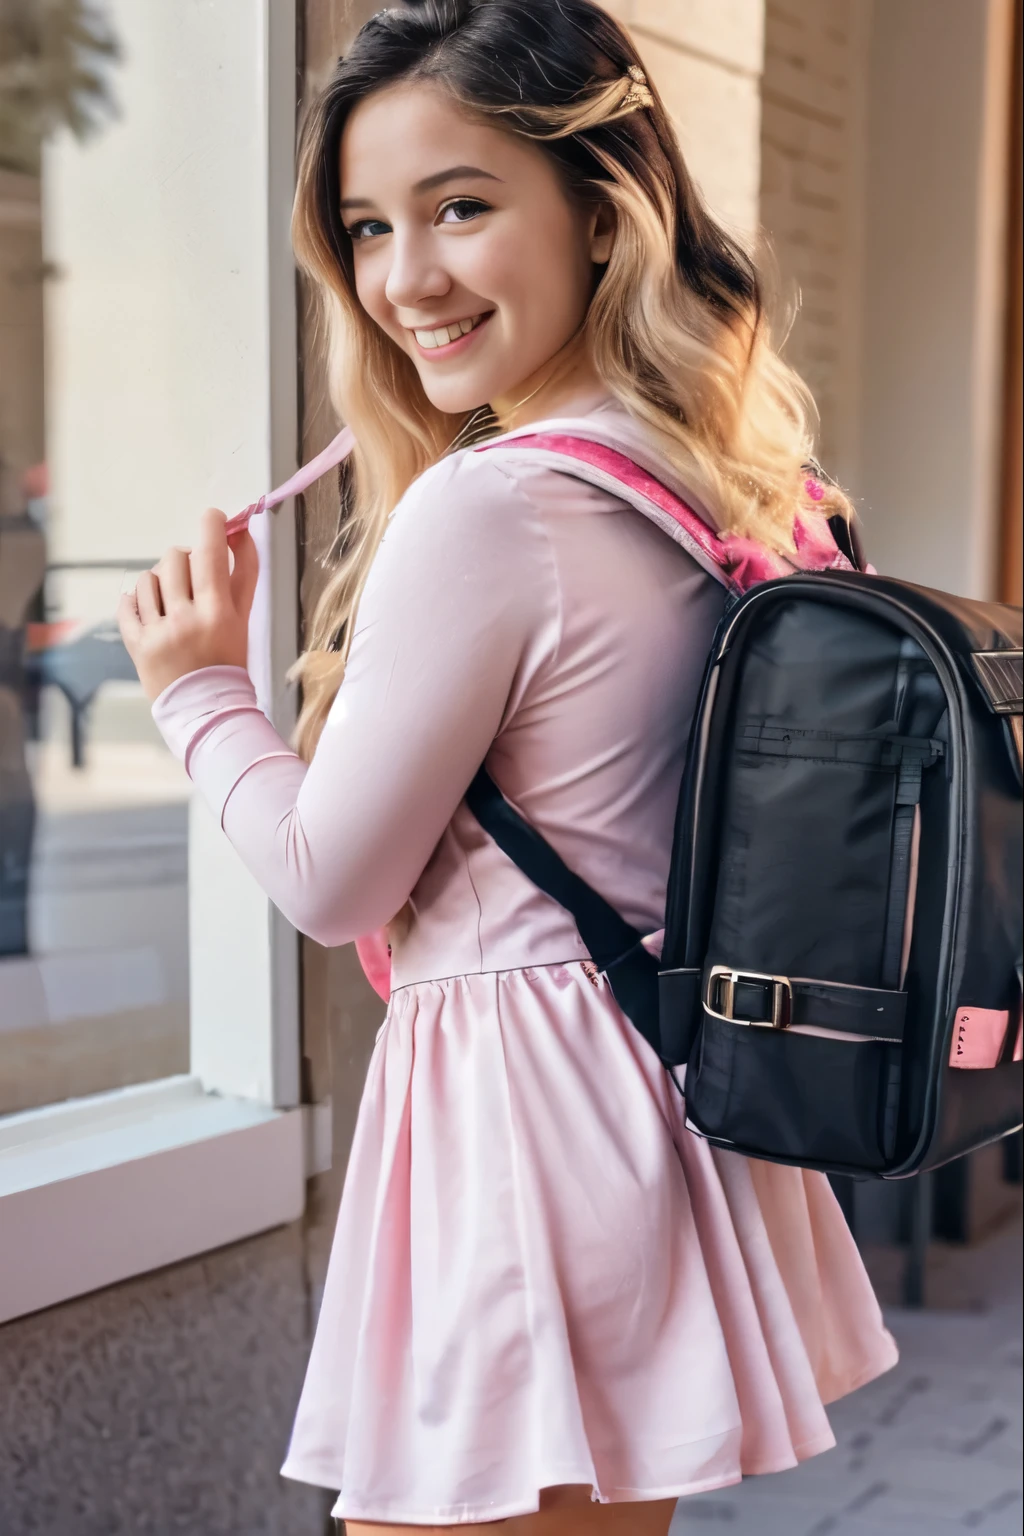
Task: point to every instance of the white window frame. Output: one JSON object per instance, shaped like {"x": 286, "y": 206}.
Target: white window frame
{"x": 96, "y": 1190}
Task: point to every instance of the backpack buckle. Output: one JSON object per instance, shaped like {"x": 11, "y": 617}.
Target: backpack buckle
{"x": 720, "y": 996}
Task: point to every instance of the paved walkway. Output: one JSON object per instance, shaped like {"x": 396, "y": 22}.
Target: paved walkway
{"x": 931, "y": 1449}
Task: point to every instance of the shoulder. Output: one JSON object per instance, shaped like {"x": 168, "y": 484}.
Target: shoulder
{"x": 465, "y": 503}
{"x": 464, "y": 523}
{"x": 463, "y": 549}
{"x": 468, "y": 481}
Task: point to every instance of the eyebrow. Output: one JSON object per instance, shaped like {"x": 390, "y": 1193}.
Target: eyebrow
{"x": 429, "y": 183}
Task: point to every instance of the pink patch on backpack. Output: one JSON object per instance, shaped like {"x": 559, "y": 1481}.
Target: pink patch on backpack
{"x": 979, "y": 1037}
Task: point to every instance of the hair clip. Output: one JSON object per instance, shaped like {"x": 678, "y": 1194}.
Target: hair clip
{"x": 639, "y": 94}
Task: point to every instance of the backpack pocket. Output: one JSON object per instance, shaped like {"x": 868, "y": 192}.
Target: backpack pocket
{"x": 819, "y": 852}
{"x": 834, "y": 904}
{"x": 793, "y": 1095}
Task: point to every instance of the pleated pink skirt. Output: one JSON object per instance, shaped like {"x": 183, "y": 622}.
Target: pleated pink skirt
{"x": 540, "y": 1277}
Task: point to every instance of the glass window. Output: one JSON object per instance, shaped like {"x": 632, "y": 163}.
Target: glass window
{"x": 136, "y": 296}
{"x": 93, "y": 810}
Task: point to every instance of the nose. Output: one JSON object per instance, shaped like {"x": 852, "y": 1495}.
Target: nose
{"x": 416, "y": 274}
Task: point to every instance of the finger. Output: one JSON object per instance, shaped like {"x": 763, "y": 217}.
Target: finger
{"x": 245, "y": 571}
{"x": 174, "y": 574}
{"x": 210, "y": 563}
{"x": 148, "y": 598}
{"x": 128, "y": 621}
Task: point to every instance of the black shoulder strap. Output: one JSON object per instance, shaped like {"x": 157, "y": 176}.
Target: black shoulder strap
{"x": 847, "y": 536}
{"x": 614, "y": 945}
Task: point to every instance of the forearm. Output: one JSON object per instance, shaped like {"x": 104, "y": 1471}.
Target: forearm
{"x": 329, "y": 879}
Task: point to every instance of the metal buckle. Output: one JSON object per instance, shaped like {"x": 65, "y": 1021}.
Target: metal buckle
{"x": 720, "y": 997}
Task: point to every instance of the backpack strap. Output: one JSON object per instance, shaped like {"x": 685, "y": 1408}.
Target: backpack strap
{"x": 847, "y": 537}
{"x": 615, "y": 946}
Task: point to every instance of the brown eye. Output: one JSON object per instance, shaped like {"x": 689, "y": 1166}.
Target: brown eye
{"x": 461, "y": 209}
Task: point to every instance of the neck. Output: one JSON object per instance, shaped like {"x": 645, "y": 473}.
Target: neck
{"x": 568, "y": 376}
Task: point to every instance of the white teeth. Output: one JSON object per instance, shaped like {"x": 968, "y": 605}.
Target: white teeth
{"x": 441, "y": 337}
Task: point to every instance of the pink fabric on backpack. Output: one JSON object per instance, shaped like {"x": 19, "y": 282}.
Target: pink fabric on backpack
{"x": 738, "y": 562}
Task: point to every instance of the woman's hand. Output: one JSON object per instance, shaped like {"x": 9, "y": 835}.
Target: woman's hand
{"x": 192, "y": 609}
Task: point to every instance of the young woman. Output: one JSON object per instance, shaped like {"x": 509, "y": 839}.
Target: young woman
{"x": 549, "y": 1306}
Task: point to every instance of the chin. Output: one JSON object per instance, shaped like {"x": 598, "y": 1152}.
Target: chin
{"x": 455, "y": 396}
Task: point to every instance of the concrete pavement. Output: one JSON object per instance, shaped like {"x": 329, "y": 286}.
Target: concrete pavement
{"x": 930, "y": 1449}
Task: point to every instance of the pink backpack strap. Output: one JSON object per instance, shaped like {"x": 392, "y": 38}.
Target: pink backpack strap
{"x": 336, "y": 452}
{"x": 737, "y": 563}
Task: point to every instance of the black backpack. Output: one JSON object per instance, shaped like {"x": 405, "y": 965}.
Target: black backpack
{"x": 841, "y": 968}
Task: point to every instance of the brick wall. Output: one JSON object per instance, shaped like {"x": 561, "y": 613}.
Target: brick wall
{"x": 815, "y": 67}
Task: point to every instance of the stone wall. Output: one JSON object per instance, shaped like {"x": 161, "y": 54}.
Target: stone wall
{"x": 162, "y": 1406}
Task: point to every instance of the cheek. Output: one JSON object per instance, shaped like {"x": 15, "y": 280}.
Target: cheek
{"x": 542, "y": 275}
{"x": 371, "y": 276}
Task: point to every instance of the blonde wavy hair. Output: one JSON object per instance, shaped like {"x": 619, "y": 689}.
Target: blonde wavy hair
{"x": 676, "y": 328}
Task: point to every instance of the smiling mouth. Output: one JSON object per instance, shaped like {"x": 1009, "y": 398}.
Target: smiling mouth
{"x": 445, "y": 335}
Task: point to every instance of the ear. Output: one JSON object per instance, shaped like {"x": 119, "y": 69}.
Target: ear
{"x": 602, "y": 234}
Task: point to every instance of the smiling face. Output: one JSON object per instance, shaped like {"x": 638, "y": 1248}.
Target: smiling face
{"x": 468, "y": 250}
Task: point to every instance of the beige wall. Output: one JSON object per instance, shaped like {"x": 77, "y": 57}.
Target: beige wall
{"x": 705, "y": 57}
{"x": 934, "y": 290}
{"x": 883, "y": 189}
{"x": 812, "y": 160}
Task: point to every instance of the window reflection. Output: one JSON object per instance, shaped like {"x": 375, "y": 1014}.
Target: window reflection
{"x": 93, "y": 811}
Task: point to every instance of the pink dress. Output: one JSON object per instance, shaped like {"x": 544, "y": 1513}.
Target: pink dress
{"x": 539, "y": 1276}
